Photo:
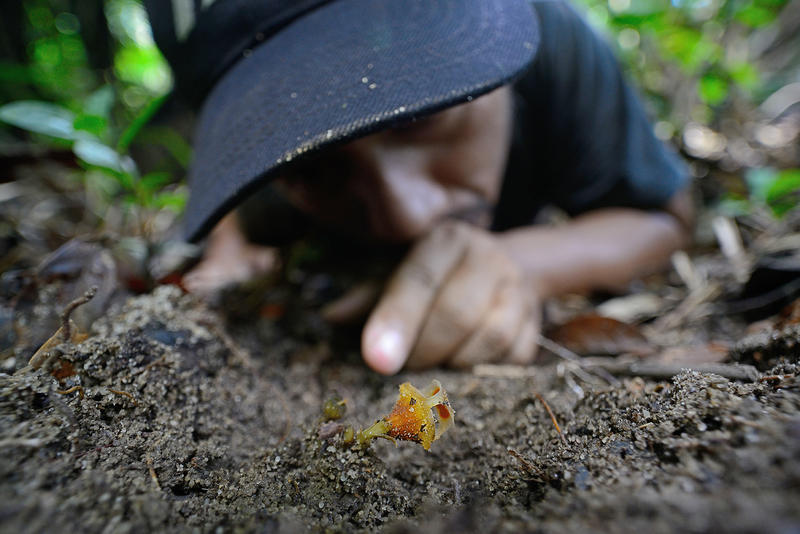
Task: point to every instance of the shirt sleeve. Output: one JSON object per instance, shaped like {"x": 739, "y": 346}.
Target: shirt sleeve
{"x": 589, "y": 135}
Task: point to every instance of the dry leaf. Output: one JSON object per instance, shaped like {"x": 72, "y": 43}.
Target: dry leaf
{"x": 597, "y": 335}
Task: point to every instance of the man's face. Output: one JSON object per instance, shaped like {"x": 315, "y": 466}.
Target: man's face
{"x": 397, "y": 184}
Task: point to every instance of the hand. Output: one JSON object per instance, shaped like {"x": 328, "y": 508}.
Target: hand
{"x": 229, "y": 259}
{"x": 457, "y": 299}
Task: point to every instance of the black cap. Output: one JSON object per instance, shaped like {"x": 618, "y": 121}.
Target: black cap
{"x": 280, "y": 79}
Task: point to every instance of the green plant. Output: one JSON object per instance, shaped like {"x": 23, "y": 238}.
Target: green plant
{"x": 89, "y": 135}
{"x": 97, "y": 104}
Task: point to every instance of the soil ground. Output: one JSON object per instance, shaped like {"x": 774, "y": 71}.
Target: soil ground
{"x": 189, "y": 424}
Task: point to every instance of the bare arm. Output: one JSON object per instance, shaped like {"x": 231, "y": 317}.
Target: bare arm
{"x": 604, "y": 249}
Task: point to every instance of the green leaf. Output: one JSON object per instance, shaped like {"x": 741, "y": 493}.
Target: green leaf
{"x": 139, "y": 122}
{"x": 40, "y": 117}
{"x": 143, "y": 66}
{"x": 713, "y": 89}
{"x": 734, "y": 205}
{"x": 154, "y": 181}
{"x": 93, "y": 124}
{"x": 15, "y": 73}
{"x": 754, "y": 15}
{"x": 97, "y": 154}
{"x": 175, "y": 201}
{"x": 759, "y": 181}
{"x": 784, "y": 192}
{"x": 745, "y": 75}
{"x": 171, "y": 140}
{"x": 100, "y": 102}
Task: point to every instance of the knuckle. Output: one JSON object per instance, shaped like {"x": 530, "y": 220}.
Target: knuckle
{"x": 420, "y": 273}
{"x": 496, "y": 340}
{"x": 449, "y": 230}
{"x": 453, "y": 319}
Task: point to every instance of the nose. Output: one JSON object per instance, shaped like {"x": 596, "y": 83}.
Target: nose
{"x": 401, "y": 196}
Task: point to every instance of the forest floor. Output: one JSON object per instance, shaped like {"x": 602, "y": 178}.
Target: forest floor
{"x": 174, "y": 415}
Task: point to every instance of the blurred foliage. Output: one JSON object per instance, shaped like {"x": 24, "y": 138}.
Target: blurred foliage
{"x": 705, "y": 67}
{"x": 88, "y": 77}
{"x": 703, "y": 44}
{"x": 85, "y": 75}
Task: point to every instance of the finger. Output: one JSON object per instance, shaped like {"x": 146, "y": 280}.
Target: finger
{"x": 492, "y": 340}
{"x": 459, "y": 308}
{"x": 525, "y": 347}
{"x": 354, "y": 305}
{"x": 393, "y": 327}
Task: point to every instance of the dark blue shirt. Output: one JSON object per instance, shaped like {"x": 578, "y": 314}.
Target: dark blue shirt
{"x": 582, "y": 140}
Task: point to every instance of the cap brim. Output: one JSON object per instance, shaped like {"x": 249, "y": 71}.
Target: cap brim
{"x": 343, "y": 71}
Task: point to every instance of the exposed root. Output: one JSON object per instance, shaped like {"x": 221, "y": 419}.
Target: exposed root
{"x": 552, "y": 418}
{"x": 66, "y": 328}
{"x": 73, "y": 389}
{"x": 47, "y": 354}
{"x": 124, "y": 394}
{"x": 153, "y": 475}
{"x": 527, "y": 466}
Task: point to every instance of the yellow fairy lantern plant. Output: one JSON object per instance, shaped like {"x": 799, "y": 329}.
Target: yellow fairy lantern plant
{"x": 412, "y": 418}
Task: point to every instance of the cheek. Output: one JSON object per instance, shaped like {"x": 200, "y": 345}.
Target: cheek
{"x": 328, "y": 204}
{"x": 469, "y": 171}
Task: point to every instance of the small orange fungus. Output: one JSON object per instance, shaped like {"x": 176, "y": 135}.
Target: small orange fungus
{"x": 412, "y": 418}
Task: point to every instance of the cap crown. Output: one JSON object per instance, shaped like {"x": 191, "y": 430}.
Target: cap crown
{"x": 201, "y": 39}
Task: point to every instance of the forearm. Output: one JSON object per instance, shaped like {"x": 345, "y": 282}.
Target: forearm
{"x": 604, "y": 249}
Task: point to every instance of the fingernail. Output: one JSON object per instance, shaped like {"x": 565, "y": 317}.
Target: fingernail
{"x": 389, "y": 351}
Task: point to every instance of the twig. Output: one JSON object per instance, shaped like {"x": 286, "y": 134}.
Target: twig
{"x": 159, "y": 361}
{"x": 73, "y": 389}
{"x": 578, "y": 365}
{"x": 668, "y": 370}
{"x": 552, "y": 418}
{"x": 46, "y": 354}
{"x": 527, "y": 466}
{"x": 692, "y": 301}
{"x": 558, "y": 350}
{"x": 152, "y": 471}
{"x": 730, "y": 243}
{"x": 66, "y": 330}
{"x": 123, "y": 393}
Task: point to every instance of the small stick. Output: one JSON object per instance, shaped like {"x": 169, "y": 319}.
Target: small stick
{"x": 66, "y": 333}
{"x": 581, "y": 368}
{"x": 152, "y": 364}
{"x": 774, "y": 378}
{"x": 526, "y": 465}
{"x": 668, "y": 370}
{"x": 558, "y": 350}
{"x": 73, "y": 389}
{"x": 552, "y": 418}
{"x": 152, "y": 471}
{"x": 123, "y": 393}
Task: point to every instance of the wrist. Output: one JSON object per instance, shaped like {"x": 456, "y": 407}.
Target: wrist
{"x": 536, "y": 280}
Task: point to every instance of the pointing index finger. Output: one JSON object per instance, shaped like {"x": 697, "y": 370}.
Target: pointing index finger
{"x": 396, "y": 321}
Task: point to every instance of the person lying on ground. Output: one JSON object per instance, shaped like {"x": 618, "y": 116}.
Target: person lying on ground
{"x": 444, "y": 124}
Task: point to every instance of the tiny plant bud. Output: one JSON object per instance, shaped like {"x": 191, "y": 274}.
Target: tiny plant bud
{"x": 334, "y": 409}
{"x": 412, "y": 418}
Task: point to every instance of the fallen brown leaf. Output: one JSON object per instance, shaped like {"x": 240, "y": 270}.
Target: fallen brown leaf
{"x": 598, "y": 335}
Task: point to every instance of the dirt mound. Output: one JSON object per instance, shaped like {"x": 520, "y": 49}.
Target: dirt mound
{"x": 183, "y": 428}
